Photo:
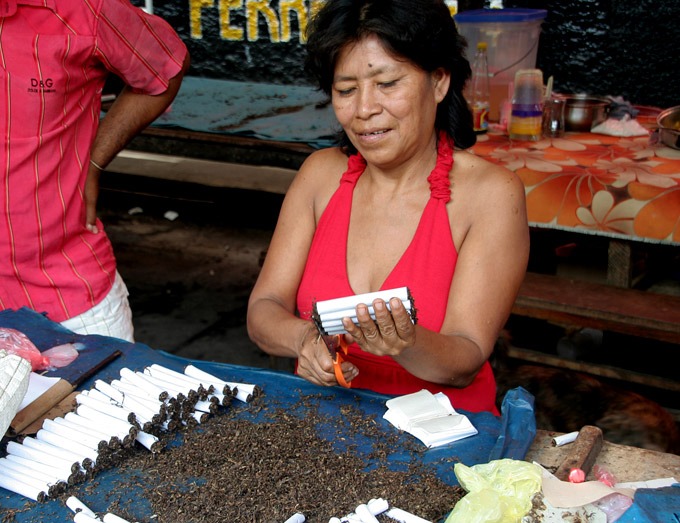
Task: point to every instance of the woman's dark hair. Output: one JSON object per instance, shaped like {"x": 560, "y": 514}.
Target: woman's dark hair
{"x": 421, "y": 31}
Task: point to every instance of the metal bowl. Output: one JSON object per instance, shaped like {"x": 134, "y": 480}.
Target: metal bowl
{"x": 669, "y": 127}
{"x": 582, "y": 112}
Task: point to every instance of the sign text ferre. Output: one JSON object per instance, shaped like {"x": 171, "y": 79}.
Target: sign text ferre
{"x": 278, "y": 20}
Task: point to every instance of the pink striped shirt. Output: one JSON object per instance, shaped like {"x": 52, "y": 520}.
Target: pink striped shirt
{"x": 55, "y": 56}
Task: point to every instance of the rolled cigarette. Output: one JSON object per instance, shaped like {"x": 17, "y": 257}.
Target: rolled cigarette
{"x": 86, "y": 424}
{"x": 221, "y": 399}
{"x": 76, "y": 506}
{"x": 69, "y": 444}
{"x": 110, "y": 391}
{"x": 558, "y": 441}
{"x": 59, "y": 474}
{"x": 21, "y": 488}
{"x": 296, "y": 518}
{"x": 109, "y": 409}
{"x": 151, "y": 442}
{"x": 365, "y": 514}
{"x": 206, "y": 406}
{"x": 99, "y": 396}
{"x": 54, "y": 451}
{"x": 189, "y": 389}
{"x": 82, "y": 517}
{"x": 126, "y": 431}
{"x": 335, "y": 330}
{"x": 350, "y": 302}
{"x": 112, "y": 518}
{"x": 67, "y": 467}
{"x": 198, "y": 384}
{"x": 175, "y": 390}
{"x": 404, "y": 517}
{"x": 6, "y": 464}
{"x": 68, "y": 431}
{"x": 143, "y": 413}
{"x": 336, "y": 316}
{"x": 216, "y": 382}
{"x": 378, "y": 506}
{"x": 140, "y": 395}
{"x": 134, "y": 378}
{"x": 200, "y": 417}
{"x": 49, "y": 488}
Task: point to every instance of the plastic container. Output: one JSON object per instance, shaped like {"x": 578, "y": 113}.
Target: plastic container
{"x": 527, "y": 105}
{"x": 512, "y": 37}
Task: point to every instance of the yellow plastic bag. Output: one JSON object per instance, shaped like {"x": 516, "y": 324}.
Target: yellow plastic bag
{"x": 498, "y": 492}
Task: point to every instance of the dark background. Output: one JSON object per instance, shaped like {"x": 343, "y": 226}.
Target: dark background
{"x": 603, "y": 47}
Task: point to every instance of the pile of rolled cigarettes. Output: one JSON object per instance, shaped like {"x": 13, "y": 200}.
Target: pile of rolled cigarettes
{"x": 139, "y": 407}
{"x": 328, "y": 314}
{"x": 367, "y": 512}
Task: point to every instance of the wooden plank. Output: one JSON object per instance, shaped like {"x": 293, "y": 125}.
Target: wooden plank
{"x": 205, "y": 172}
{"x": 605, "y": 371}
{"x": 599, "y": 306}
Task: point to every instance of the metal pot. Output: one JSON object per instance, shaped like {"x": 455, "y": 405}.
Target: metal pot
{"x": 669, "y": 127}
{"x": 583, "y": 112}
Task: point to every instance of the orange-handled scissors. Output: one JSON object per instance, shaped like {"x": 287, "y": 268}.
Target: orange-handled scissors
{"x": 337, "y": 347}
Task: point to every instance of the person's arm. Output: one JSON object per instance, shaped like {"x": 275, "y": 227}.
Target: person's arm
{"x": 272, "y": 323}
{"x": 130, "y": 113}
{"x": 493, "y": 252}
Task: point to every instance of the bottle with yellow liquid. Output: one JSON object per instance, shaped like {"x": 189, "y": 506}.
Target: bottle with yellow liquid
{"x": 527, "y": 105}
{"x": 478, "y": 96}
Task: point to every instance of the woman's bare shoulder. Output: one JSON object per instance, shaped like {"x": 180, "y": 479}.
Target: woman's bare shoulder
{"x": 325, "y": 161}
{"x": 317, "y": 178}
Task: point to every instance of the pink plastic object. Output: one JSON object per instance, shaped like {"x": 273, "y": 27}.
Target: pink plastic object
{"x": 577, "y": 476}
{"x": 603, "y": 475}
{"x": 15, "y": 342}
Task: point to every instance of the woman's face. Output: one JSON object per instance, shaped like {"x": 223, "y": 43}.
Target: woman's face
{"x": 387, "y": 106}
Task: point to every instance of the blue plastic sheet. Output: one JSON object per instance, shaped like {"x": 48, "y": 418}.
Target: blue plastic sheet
{"x": 654, "y": 505}
{"x": 282, "y": 113}
{"x": 280, "y": 390}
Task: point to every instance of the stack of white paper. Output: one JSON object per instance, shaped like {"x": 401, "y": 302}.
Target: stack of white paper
{"x": 429, "y": 417}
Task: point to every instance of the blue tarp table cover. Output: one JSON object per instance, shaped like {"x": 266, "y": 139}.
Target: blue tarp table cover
{"x": 280, "y": 390}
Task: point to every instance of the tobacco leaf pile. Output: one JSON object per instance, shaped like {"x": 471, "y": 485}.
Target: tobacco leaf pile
{"x": 271, "y": 463}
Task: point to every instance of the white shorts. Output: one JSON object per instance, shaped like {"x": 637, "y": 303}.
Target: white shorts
{"x": 110, "y": 317}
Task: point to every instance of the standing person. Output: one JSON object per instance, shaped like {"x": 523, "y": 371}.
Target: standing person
{"x": 56, "y": 56}
{"x": 399, "y": 203}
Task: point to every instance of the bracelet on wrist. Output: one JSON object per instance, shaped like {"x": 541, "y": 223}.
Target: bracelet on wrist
{"x": 95, "y": 164}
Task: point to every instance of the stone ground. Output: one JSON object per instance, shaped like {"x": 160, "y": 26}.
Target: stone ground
{"x": 190, "y": 278}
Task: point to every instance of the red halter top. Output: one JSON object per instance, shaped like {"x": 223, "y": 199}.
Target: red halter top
{"x": 426, "y": 267}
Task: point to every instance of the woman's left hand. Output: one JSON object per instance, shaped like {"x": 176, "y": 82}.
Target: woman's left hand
{"x": 388, "y": 335}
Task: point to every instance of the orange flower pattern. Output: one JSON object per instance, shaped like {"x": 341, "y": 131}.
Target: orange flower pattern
{"x": 626, "y": 187}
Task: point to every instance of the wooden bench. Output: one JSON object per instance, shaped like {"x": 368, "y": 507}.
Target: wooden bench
{"x": 569, "y": 302}
{"x": 599, "y": 306}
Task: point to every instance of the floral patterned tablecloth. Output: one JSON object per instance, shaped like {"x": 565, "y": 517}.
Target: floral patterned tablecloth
{"x": 625, "y": 188}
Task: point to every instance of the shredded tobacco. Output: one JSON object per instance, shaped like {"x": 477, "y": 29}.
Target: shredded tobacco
{"x": 271, "y": 463}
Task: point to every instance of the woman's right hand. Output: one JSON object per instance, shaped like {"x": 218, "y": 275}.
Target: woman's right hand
{"x": 315, "y": 363}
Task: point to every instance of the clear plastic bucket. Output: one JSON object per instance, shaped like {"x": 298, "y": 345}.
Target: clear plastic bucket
{"x": 511, "y": 36}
